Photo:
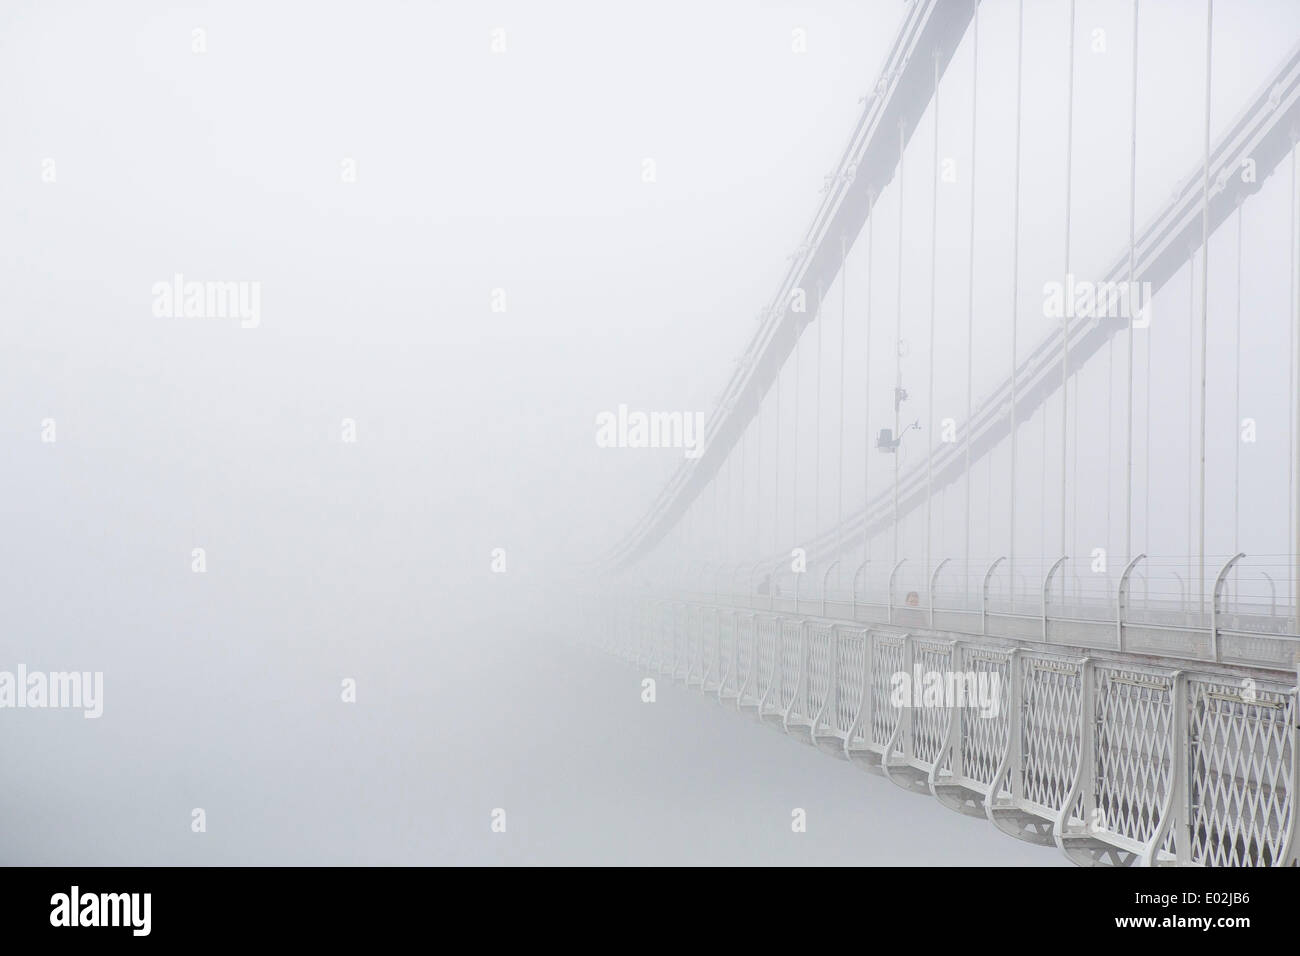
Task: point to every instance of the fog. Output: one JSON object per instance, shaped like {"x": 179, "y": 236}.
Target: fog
{"x": 386, "y": 483}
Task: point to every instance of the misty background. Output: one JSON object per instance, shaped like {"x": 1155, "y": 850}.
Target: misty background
{"x": 519, "y": 171}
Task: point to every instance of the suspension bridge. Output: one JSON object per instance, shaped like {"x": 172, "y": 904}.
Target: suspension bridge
{"x": 1021, "y": 415}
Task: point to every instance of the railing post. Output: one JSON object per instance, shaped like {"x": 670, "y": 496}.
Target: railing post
{"x": 1015, "y": 726}
{"x": 933, "y": 579}
{"x": 862, "y": 716}
{"x": 1214, "y": 603}
{"x": 984, "y": 595}
{"x": 798, "y": 696}
{"x": 907, "y": 714}
{"x": 742, "y": 680}
{"x": 831, "y": 703}
{"x": 1088, "y": 740}
{"x": 1181, "y": 802}
{"x": 717, "y": 646}
{"x": 866, "y": 711}
{"x": 955, "y": 716}
{"x": 1047, "y": 586}
{"x": 1083, "y": 788}
{"x": 727, "y": 662}
{"x": 1121, "y": 600}
{"x": 774, "y": 679}
{"x": 1290, "y": 854}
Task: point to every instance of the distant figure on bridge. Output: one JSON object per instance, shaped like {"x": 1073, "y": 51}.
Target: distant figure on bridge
{"x": 765, "y": 585}
{"x": 913, "y": 599}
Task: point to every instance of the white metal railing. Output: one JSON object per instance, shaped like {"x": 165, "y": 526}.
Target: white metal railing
{"x": 1051, "y": 603}
{"x": 1115, "y": 760}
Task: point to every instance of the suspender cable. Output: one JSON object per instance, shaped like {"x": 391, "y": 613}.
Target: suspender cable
{"x": 1146, "y": 468}
{"x": 728, "y": 507}
{"x": 1042, "y": 493}
{"x": 794, "y": 478}
{"x": 1191, "y": 397}
{"x": 1132, "y": 298}
{"x": 1015, "y": 304}
{"x": 715, "y": 553}
{"x": 970, "y": 283}
{"x": 839, "y": 470}
{"x": 1205, "y": 284}
{"x": 866, "y": 407}
{"x": 1236, "y": 423}
{"x": 1074, "y": 481}
{"x": 898, "y": 333}
{"x": 739, "y": 531}
{"x": 988, "y": 497}
{"x": 776, "y": 475}
{"x": 758, "y": 480}
{"x": 1110, "y": 440}
{"x": 817, "y": 420}
{"x": 1293, "y": 464}
{"x": 1065, "y": 323}
{"x": 929, "y": 405}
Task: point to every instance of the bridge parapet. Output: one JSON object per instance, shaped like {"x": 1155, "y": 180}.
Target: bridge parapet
{"x": 1114, "y": 757}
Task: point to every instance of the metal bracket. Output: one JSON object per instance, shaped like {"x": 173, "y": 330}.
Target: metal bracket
{"x": 892, "y": 575}
{"x": 861, "y": 567}
{"x": 1214, "y": 602}
{"x": 1121, "y": 600}
{"x": 826, "y": 577}
{"x": 1047, "y": 586}
{"x": 771, "y": 588}
{"x": 933, "y": 578}
{"x": 984, "y": 594}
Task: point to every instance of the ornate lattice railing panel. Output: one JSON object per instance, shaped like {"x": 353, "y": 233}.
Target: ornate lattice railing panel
{"x": 1133, "y": 748}
{"x": 726, "y": 649}
{"x": 820, "y": 663}
{"x": 769, "y": 663}
{"x": 742, "y": 655}
{"x": 705, "y": 663}
{"x": 929, "y": 717}
{"x": 887, "y": 659}
{"x": 851, "y": 652}
{"x": 791, "y": 660}
{"x": 982, "y": 737}
{"x": 1240, "y": 765}
{"x": 1050, "y": 692}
